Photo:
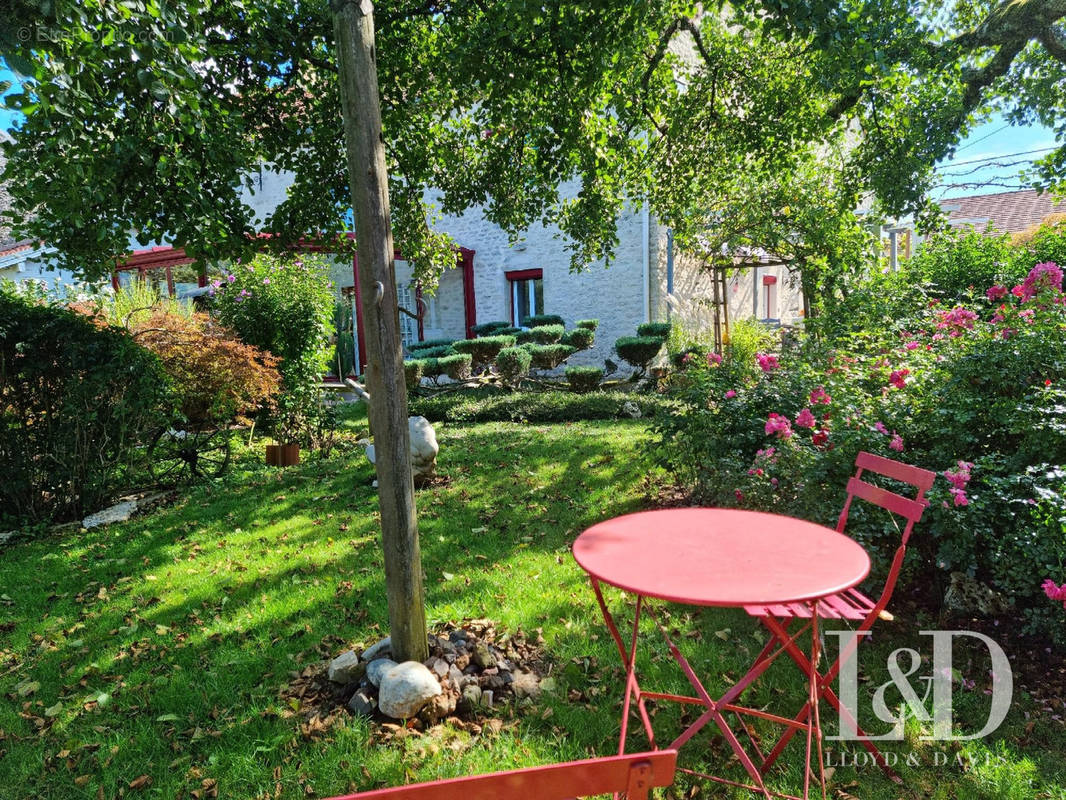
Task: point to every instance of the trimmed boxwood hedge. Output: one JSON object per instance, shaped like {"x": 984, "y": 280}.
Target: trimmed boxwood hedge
{"x": 547, "y": 334}
{"x": 513, "y": 363}
{"x": 579, "y": 338}
{"x": 549, "y": 356}
{"x": 584, "y": 379}
{"x": 537, "y": 320}
{"x": 412, "y": 373}
{"x": 638, "y": 350}
{"x": 538, "y": 407}
{"x": 657, "y": 329}
{"x": 440, "y": 351}
{"x": 429, "y": 344}
{"x": 591, "y": 324}
{"x": 490, "y": 328}
{"x": 485, "y": 348}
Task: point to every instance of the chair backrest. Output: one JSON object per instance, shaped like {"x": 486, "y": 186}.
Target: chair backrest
{"x": 633, "y": 774}
{"x": 911, "y": 509}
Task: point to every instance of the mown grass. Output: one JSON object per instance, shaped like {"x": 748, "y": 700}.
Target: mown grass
{"x": 158, "y": 647}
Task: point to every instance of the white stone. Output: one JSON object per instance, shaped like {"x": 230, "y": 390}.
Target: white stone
{"x": 120, "y": 512}
{"x": 377, "y": 649}
{"x": 377, "y": 668}
{"x": 424, "y": 448}
{"x": 631, "y": 409}
{"x": 405, "y": 689}
{"x": 344, "y": 668}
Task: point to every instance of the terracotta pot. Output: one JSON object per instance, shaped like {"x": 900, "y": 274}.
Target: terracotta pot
{"x": 282, "y": 455}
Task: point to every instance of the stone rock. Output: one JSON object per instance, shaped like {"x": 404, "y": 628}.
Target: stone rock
{"x": 405, "y": 689}
{"x": 377, "y": 668}
{"x": 363, "y": 704}
{"x": 454, "y": 675}
{"x": 346, "y": 668}
{"x": 525, "y": 684}
{"x": 631, "y": 409}
{"x": 483, "y": 657}
{"x": 120, "y": 512}
{"x": 462, "y": 661}
{"x": 471, "y": 698}
{"x": 439, "y": 707}
{"x": 424, "y": 449}
{"x": 486, "y": 698}
{"x": 970, "y": 596}
{"x": 440, "y": 666}
{"x": 378, "y": 649}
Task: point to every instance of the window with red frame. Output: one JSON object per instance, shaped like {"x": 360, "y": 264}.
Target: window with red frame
{"x": 527, "y": 294}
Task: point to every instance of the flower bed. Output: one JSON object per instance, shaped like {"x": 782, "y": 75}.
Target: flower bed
{"x": 973, "y": 390}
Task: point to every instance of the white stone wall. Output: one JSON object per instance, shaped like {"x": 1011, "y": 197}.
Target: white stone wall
{"x": 613, "y": 295}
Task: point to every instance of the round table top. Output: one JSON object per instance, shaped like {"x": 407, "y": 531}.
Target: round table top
{"x": 721, "y": 557}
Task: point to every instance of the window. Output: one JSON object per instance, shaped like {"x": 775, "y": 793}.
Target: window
{"x": 405, "y": 298}
{"x": 527, "y": 294}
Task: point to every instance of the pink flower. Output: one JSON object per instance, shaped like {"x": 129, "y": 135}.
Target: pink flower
{"x": 266, "y": 281}
{"x": 1017, "y": 291}
{"x": 996, "y": 292}
{"x": 912, "y": 345}
{"x": 231, "y": 277}
{"x": 687, "y": 358}
{"x": 956, "y": 320}
{"x": 960, "y": 497}
{"x": 819, "y": 396}
{"x": 819, "y": 438}
{"x": 713, "y": 359}
{"x": 880, "y": 428}
{"x": 1054, "y": 592}
{"x": 898, "y": 377}
{"x": 730, "y": 395}
{"x": 767, "y": 362}
{"x": 896, "y": 443}
{"x": 1046, "y": 275}
{"x": 739, "y": 495}
{"x": 779, "y": 425}
{"x": 805, "y": 419}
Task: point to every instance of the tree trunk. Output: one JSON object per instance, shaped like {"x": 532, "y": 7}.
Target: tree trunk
{"x": 353, "y": 24}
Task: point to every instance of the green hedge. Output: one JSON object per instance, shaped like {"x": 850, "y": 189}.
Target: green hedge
{"x": 578, "y": 338}
{"x": 591, "y": 324}
{"x": 638, "y": 350}
{"x": 412, "y": 373}
{"x": 584, "y": 379}
{"x": 547, "y": 334}
{"x": 660, "y": 330}
{"x": 538, "y": 320}
{"x": 438, "y": 351}
{"x": 481, "y": 406}
{"x": 484, "y": 349}
{"x": 490, "y": 328}
{"x": 549, "y": 356}
{"x": 429, "y": 344}
{"x": 513, "y": 363}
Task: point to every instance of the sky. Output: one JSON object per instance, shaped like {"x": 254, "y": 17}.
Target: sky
{"x": 986, "y": 162}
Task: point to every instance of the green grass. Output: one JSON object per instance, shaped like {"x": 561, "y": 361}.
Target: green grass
{"x": 159, "y": 646}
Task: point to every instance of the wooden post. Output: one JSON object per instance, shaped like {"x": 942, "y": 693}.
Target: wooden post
{"x": 353, "y": 26}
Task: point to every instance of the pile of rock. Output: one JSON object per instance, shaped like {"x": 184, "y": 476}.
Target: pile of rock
{"x": 468, "y": 670}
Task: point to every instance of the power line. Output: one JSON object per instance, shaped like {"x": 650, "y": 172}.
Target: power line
{"x": 988, "y": 136}
{"x": 996, "y": 156}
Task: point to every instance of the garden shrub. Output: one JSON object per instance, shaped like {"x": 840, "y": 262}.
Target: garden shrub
{"x": 512, "y": 363}
{"x": 584, "y": 379}
{"x": 77, "y": 399}
{"x": 285, "y": 306}
{"x": 456, "y": 367}
{"x": 484, "y": 349}
{"x": 412, "y": 373}
{"x": 579, "y": 338}
{"x": 660, "y": 330}
{"x": 508, "y": 331}
{"x": 638, "y": 351}
{"x": 215, "y": 377}
{"x": 957, "y": 262}
{"x": 537, "y": 320}
{"x": 437, "y": 351}
{"x": 1048, "y": 243}
{"x": 490, "y": 328}
{"x": 975, "y": 391}
{"x": 344, "y": 355}
{"x": 429, "y": 344}
{"x": 546, "y": 334}
{"x": 590, "y": 324}
{"x": 549, "y": 356}
{"x": 525, "y": 336}
{"x": 539, "y": 407}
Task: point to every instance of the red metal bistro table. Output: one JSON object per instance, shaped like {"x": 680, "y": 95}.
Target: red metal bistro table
{"x": 719, "y": 557}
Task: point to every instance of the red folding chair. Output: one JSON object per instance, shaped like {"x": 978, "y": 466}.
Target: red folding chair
{"x": 634, "y": 775}
{"x": 852, "y": 604}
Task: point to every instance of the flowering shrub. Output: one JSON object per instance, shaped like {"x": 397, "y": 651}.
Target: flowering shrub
{"x": 286, "y": 308}
{"x": 975, "y": 391}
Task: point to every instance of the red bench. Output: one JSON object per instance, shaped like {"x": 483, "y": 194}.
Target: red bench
{"x": 634, "y": 775}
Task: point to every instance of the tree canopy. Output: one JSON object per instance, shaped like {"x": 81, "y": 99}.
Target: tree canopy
{"x": 146, "y": 115}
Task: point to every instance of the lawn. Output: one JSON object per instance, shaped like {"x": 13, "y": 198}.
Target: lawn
{"x": 160, "y": 647}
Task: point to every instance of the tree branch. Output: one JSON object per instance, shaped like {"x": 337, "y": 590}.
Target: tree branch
{"x": 1053, "y": 43}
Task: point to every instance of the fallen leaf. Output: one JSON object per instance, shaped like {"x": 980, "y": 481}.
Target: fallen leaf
{"x": 723, "y": 634}
{"x": 27, "y": 687}
{"x": 52, "y": 711}
{"x": 140, "y": 782}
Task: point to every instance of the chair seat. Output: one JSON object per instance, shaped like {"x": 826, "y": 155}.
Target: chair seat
{"x": 851, "y": 604}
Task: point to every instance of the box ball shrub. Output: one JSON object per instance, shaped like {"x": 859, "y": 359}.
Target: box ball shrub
{"x": 490, "y": 328}
{"x": 537, "y": 320}
{"x": 429, "y": 344}
{"x": 659, "y": 330}
{"x": 638, "y": 350}
{"x": 77, "y": 399}
{"x": 579, "y": 338}
{"x": 437, "y": 351}
{"x": 484, "y": 349}
{"x": 590, "y": 324}
{"x": 412, "y": 373}
{"x": 547, "y": 334}
{"x": 583, "y": 379}
{"x": 549, "y": 356}
{"x": 456, "y": 367}
{"x": 513, "y": 363}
